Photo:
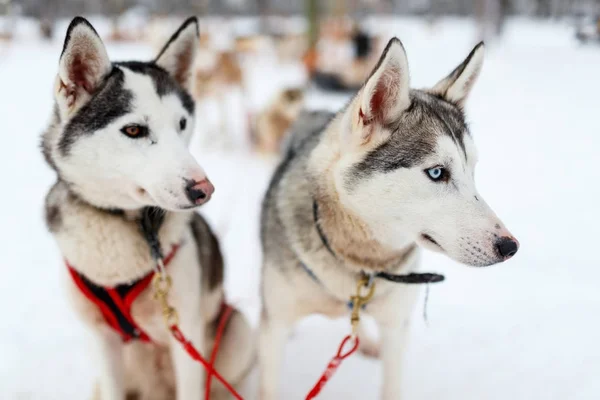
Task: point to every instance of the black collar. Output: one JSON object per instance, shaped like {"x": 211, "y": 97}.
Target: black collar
{"x": 410, "y": 278}
{"x": 322, "y": 236}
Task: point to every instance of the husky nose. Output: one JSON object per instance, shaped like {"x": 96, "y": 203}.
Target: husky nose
{"x": 507, "y": 247}
{"x": 199, "y": 192}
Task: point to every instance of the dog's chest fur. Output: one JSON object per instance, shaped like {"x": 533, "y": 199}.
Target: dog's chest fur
{"x": 109, "y": 250}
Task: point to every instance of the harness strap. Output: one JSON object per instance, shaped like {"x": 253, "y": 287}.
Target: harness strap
{"x": 115, "y": 303}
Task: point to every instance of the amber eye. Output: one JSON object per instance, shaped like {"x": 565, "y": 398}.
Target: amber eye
{"x": 135, "y": 131}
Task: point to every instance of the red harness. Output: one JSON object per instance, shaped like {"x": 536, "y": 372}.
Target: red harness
{"x": 115, "y": 302}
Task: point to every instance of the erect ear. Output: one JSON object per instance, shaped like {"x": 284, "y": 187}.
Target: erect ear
{"x": 457, "y": 86}
{"x": 177, "y": 56}
{"x": 82, "y": 66}
{"x": 386, "y": 92}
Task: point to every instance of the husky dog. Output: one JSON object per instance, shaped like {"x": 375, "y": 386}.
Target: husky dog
{"x": 273, "y": 123}
{"x": 118, "y": 143}
{"x": 394, "y": 169}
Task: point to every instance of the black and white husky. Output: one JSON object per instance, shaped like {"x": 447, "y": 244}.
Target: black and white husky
{"x": 394, "y": 169}
{"x": 118, "y": 143}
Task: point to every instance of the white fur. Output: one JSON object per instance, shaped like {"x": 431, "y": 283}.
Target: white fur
{"x": 114, "y": 253}
{"x": 111, "y": 170}
{"x": 408, "y": 203}
{"x": 397, "y": 207}
{"x": 108, "y": 169}
{"x": 158, "y": 164}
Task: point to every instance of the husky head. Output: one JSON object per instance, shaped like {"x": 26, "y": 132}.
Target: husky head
{"x": 407, "y": 163}
{"x": 120, "y": 130}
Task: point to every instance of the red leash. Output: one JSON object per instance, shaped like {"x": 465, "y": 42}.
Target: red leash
{"x": 162, "y": 285}
{"x": 333, "y": 366}
{"x": 225, "y": 315}
{"x": 195, "y": 354}
{"x": 357, "y": 301}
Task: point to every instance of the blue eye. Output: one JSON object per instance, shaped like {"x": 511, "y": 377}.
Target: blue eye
{"x": 437, "y": 173}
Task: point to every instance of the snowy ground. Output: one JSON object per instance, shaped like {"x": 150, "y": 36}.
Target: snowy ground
{"x": 527, "y": 329}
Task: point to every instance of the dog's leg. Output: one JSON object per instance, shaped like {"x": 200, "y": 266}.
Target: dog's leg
{"x": 109, "y": 353}
{"x": 393, "y": 319}
{"x": 369, "y": 347}
{"x": 272, "y": 338}
{"x": 189, "y": 374}
{"x": 393, "y": 340}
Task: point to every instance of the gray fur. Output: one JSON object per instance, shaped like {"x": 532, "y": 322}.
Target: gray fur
{"x": 292, "y": 166}
{"x": 414, "y": 136}
{"x": 334, "y": 211}
{"x": 307, "y": 124}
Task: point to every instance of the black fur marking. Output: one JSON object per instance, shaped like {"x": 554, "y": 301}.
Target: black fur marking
{"x": 209, "y": 253}
{"x": 163, "y": 82}
{"x": 190, "y": 20}
{"x": 110, "y": 102}
{"x": 74, "y": 23}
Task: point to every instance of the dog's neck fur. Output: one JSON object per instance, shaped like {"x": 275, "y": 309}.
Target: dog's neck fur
{"x": 348, "y": 235}
{"x": 351, "y": 240}
{"x": 106, "y": 246}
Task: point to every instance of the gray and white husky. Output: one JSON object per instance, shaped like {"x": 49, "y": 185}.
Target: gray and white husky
{"x": 118, "y": 143}
{"x": 394, "y": 169}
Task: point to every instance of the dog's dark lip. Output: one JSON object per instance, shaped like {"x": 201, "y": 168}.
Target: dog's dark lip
{"x": 431, "y": 240}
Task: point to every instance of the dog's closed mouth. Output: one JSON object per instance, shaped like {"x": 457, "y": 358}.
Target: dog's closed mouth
{"x": 430, "y": 239}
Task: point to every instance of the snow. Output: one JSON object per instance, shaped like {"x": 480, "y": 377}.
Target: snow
{"x": 526, "y": 329}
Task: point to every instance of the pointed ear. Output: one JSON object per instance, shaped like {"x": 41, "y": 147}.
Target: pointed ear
{"x": 82, "y": 66}
{"x": 386, "y": 92}
{"x": 457, "y": 86}
{"x": 177, "y": 56}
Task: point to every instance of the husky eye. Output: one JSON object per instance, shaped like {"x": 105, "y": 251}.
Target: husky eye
{"x": 182, "y": 123}
{"x": 437, "y": 174}
{"x": 135, "y": 131}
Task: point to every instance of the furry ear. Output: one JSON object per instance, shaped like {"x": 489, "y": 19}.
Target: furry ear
{"x": 457, "y": 86}
{"x": 177, "y": 56}
{"x": 386, "y": 92}
{"x": 83, "y": 64}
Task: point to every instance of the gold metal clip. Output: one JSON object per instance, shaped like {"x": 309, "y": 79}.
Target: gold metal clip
{"x": 162, "y": 285}
{"x": 358, "y": 301}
